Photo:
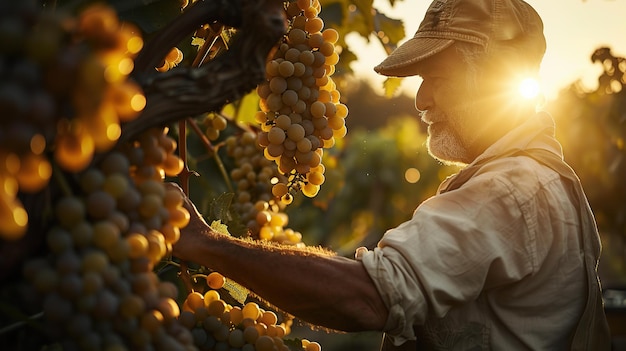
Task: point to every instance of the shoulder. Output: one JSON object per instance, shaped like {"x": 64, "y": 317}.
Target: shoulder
{"x": 520, "y": 176}
{"x": 502, "y": 188}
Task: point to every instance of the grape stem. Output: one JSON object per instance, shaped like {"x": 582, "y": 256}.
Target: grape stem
{"x": 171, "y": 262}
{"x": 198, "y": 275}
{"x": 19, "y": 324}
{"x": 57, "y": 173}
{"x": 212, "y": 150}
{"x": 184, "y": 182}
{"x": 186, "y": 277}
{"x": 182, "y": 153}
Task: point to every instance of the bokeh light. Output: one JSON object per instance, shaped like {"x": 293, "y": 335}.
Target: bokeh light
{"x": 412, "y": 175}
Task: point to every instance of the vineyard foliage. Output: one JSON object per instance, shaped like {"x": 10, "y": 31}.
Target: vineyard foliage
{"x": 591, "y": 124}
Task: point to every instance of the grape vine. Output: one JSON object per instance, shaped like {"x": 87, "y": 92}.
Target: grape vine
{"x": 74, "y": 97}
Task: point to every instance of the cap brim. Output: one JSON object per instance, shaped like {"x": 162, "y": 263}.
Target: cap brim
{"x": 403, "y": 60}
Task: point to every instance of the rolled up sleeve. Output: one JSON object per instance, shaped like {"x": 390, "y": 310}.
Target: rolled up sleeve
{"x": 394, "y": 281}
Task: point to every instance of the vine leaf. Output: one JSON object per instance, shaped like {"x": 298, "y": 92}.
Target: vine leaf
{"x": 218, "y": 208}
{"x": 244, "y": 109}
{"x": 236, "y": 291}
{"x": 364, "y": 7}
{"x": 334, "y": 13}
{"x": 393, "y": 30}
{"x": 391, "y": 85}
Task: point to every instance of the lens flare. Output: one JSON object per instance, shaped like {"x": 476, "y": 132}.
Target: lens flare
{"x": 529, "y": 88}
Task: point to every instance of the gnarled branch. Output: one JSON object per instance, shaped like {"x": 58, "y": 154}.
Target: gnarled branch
{"x": 183, "y": 91}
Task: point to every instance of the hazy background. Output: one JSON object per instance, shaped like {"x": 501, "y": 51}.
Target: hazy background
{"x": 573, "y": 30}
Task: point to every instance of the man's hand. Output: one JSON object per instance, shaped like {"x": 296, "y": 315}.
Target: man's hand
{"x": 196, "y": 231}
{"x": 327, "y": 290}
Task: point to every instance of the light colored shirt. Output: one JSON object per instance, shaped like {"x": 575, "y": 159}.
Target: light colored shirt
{"x": 495, "y": 264}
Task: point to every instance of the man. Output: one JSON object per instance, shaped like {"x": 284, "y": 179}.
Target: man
{"x": 503, "y": 257}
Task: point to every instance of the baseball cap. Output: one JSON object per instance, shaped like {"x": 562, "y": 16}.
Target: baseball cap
{"x": 488, "y": 23}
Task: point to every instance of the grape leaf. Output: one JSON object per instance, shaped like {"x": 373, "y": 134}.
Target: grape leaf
{"x": 393, "y": 29}
{"x": 361, "y": 20}
{"x": 219, "y": 227}
{"x": 347, "y": 56}
{"x": 333, "y": 13}
{"x": 236, "y": 291}
{"x": 219, "y": 207}
{"x": 244, "y": 109}
{"x": 391, "y": 85}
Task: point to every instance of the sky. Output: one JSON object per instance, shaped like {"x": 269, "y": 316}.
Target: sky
{"x": 573, "y": 30}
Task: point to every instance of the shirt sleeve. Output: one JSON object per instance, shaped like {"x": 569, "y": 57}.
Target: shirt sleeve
{"x": 456, "y": 245}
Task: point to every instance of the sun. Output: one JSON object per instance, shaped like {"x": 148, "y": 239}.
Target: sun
{"x": 529, "y": 88}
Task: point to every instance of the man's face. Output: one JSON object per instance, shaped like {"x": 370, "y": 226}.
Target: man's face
{"x": 450, "y": 108}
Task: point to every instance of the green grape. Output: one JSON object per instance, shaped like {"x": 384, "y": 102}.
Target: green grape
{"x": 116, "y": 184}
{"x": 100, "y": 204}
{"x": 286, "y": 69}
{"x": 296, "y": 132}
{"x": 314, "y": 25}
{"x": 69, "y": 211}
{"x": 94, "y": 261}
{"x": 236, "y": 339}
{"x": 105, "y": 234}
{"x": 59, "y": 240}
{"x": 316, "y": 178}
{"x": 297, "y": 36}
{"x": 276, "y": 135}
{"x": 290, "y": 98}
{"x": 264, "y": 343}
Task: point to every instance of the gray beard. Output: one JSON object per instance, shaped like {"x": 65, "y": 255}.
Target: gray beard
{"x": 446, "y": 146}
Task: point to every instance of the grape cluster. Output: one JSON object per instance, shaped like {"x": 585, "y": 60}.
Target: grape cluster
{"x": 255, "y": 203}
{"x": 300, "y": 109}
{"x": 217, "y": 325}
{"x": 152, "y": 156}
{"x": 271, "y": 223}
{"x": 251, "y": 174}
{"x": 214, "y": 124}
{"x": 97, "y": 284}
{"x": 64, "y": 90}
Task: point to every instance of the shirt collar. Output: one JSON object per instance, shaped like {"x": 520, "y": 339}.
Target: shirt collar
{"x": 535, "y": 133}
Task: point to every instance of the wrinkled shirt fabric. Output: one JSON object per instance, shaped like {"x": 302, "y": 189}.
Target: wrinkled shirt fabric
{"x": 495, "y": 264}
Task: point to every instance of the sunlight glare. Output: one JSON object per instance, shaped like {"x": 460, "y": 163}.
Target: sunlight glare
{"x": 529, "y": 88}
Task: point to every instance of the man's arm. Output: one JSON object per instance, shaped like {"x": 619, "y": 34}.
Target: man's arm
{"x": 322, "y": 289}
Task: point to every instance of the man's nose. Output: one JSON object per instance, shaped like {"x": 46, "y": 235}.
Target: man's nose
{"x": 423, "y": 98}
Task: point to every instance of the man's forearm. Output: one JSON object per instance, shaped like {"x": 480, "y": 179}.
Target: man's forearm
{"x": 323, "y": 289}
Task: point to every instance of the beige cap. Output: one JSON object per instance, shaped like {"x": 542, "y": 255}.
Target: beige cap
{"x": 488, "y": 23}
